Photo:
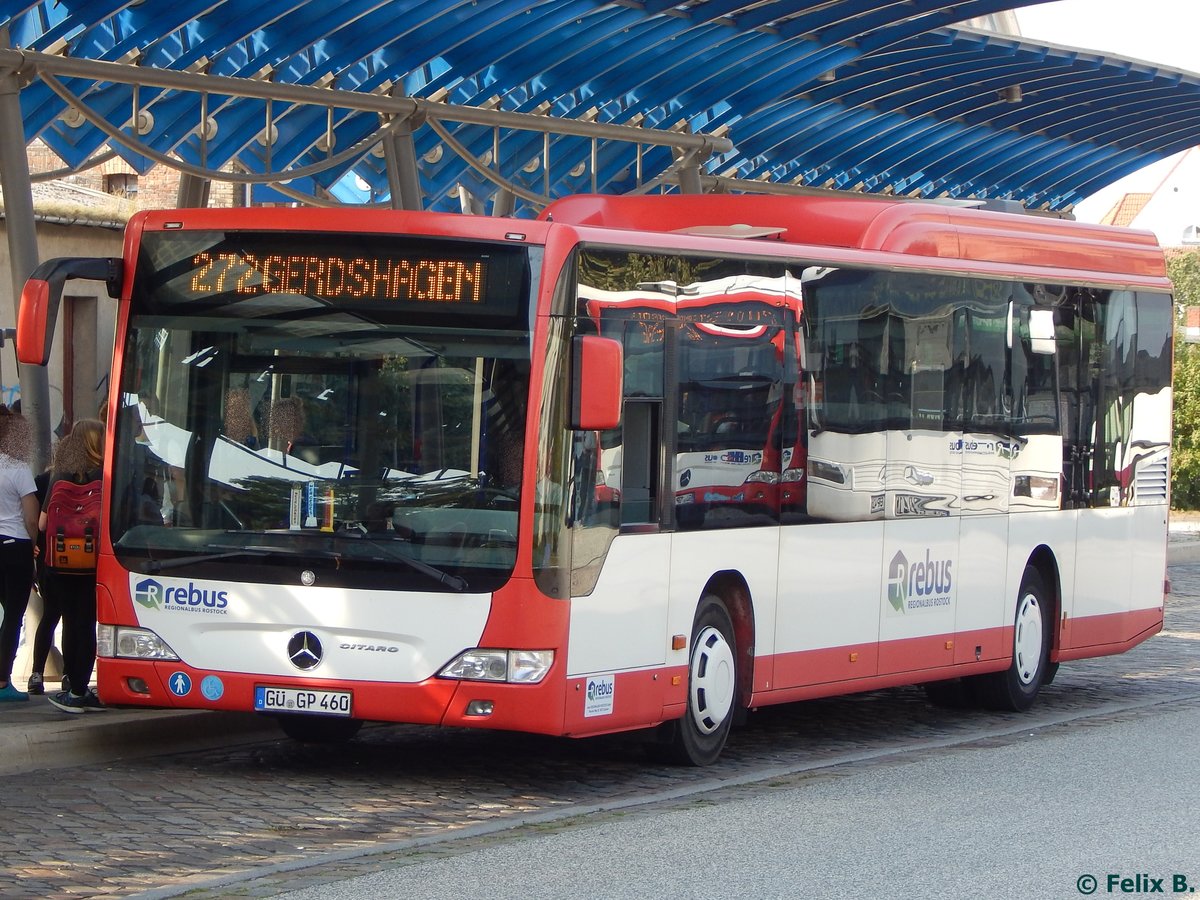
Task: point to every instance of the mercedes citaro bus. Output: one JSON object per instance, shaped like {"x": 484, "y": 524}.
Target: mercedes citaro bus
{"x": 641, "y": 463}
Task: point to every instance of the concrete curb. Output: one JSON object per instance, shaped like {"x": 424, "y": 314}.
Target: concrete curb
{"x": 1183, "y": 553}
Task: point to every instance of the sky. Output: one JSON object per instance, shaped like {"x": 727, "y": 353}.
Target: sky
{"x": 1166, "y": 32}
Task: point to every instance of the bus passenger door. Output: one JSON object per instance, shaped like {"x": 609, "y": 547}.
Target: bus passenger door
{"x": 621, "y": 554}
{"x": 922, "y": 499}
{"x": 921, "y": 563}
{"x": 986, "y": 451}
{"x": 1099, "y": 394}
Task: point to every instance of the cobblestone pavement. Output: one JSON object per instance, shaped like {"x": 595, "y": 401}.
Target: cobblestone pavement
{"x": 257, "y": 820}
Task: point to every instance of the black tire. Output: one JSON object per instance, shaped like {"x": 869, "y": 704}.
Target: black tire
{"x": 1051, "y": 672}
{"x": 1017, "y": 687}
{"x": 698, "y": 738}
{"x": 319, "y": 729}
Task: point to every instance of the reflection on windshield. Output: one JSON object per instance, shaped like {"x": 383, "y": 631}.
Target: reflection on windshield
{"x": 276, "y": 437}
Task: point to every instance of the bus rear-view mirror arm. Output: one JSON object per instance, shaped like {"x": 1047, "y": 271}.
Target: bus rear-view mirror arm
{"x": 42, "y": 294}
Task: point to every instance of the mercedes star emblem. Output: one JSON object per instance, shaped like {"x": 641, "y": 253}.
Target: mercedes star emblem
{"x": 304, "y": 650}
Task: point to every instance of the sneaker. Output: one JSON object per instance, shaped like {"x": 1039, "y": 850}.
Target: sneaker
{"x": 35, "y": 685}
{"x": 73, "y": 703}
{"x": 9, "y": 694}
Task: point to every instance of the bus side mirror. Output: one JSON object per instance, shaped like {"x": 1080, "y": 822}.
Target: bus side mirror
{"x": 42, "y": 294}
{"x": 596, "y": 390}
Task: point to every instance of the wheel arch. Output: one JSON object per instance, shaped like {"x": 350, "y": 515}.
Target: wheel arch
{"x": 734, "y": 592}
{"x": 1045, "y": 562}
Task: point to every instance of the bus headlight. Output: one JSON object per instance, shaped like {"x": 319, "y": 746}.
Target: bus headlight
{"x": 512, "y": 666}
{"x": 131, "y": 643}
{"x": 790, "y": 476}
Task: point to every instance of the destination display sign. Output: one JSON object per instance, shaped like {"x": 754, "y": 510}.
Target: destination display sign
{"x": 413, "y": 279}
{"x": 377, "y": 275}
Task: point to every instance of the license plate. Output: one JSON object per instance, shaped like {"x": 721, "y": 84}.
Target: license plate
{"x": 280, "y": 699}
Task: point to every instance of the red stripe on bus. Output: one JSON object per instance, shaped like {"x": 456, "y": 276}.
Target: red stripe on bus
{"x": 1114, "y": 633}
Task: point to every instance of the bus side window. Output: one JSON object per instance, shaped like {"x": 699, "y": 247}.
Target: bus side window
{"x": 639, "y": 469}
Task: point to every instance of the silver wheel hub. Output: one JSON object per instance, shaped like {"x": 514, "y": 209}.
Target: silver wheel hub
{"x": 1028, "y": 639}
{"x": 711, "y": 685}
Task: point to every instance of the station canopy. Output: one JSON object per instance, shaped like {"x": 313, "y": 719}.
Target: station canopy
{"x": 493, "y": 105}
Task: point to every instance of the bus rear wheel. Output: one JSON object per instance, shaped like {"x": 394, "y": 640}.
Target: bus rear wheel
{"x": 698, "y": 738}
{"x": 1017, "y": 687}
{"x": 318, "y": 729}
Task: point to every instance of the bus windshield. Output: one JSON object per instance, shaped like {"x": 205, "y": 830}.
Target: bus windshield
{"x": 332, "y": 409}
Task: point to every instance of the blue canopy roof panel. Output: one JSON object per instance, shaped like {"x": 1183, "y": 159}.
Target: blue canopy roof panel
{"x": 848, "y": 94}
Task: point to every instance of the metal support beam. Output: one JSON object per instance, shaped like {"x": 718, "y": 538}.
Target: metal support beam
{"x": 400, "y": 157}
{"x": 689, "y": 172}
{"x": 22, "y": 246}
{"x": 31, "y": 63}
{"x": 193, "y": 192}
{"x": 404, "y": 179}
{"x": 471, "y": 204}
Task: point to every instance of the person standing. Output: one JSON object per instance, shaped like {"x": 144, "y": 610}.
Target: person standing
{"x": 43, "y": 637}
{"x": 78, "y": 459}
{"x": 18, "y": 525}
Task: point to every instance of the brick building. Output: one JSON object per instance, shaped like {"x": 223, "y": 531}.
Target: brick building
{"x": 157, "y": 189}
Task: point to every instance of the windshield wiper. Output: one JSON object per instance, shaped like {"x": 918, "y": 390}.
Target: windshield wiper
{"x": 154, "y": 566}
{"x": 455, "y": 583}
{"x": 451, "y": 581}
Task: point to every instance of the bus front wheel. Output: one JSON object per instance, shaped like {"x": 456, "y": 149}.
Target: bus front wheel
{"x": 698, "y": 738}
{"x": 1017, "y": 687}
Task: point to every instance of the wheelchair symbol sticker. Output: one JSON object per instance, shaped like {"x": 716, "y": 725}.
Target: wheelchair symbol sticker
{"x": 212, "y": 687}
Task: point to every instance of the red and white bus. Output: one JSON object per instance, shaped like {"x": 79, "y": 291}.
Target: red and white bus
{"x": 363, "y": 464}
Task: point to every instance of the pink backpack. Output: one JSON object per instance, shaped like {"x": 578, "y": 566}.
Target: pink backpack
{"x": 72, "y": 526}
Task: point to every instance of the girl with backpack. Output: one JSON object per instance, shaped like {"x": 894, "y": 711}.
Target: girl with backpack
{"x": 18, "y": 525}
{"x": 43, "y": 637}
{"x": 77, "y": 461}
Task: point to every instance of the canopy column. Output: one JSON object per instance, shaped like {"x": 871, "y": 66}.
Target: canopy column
{"x": 689, "y": 170}
{"x": 400, "y": 156}
{"x": 22, "y": 247}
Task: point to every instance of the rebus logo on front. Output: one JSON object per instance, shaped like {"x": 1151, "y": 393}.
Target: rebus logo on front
{"x": 153, "y": 594}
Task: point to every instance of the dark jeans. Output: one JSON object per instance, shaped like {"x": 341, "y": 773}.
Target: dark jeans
{"x": 16, "y": 580}
{"x": 43, "y": 638}
{"x": 75, "y": 596}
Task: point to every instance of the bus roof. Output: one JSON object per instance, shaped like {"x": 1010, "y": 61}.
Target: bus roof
{"x": 907, "y": 227}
